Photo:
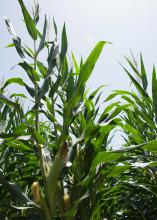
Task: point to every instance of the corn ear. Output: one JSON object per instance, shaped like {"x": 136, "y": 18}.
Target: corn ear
{"x": 67, "y": 202}
{"x": 36, "y": 192}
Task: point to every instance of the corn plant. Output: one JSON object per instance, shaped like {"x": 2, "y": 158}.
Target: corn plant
{"x": 54, "y": 155}
{"x": 138, "y": 186}
{"x": 57, "y": 153}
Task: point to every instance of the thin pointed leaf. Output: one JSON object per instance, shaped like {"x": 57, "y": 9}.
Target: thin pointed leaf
{"x": 42, "y": 68}
{"x": 75, "y": 64}
{"x": 136, "y": 84}
{"x": 16, "y": 39}
{"x": 13, "y": 80}
{"x": 134, "y": 68}
{"x": 30, "y": 90}
{"x": 32, "y": 73}
{"x": 64, "y": 45}
{"x": 93, "y": 94}
{"x": 18, "y": 95}
{"x": 55, "y": 86}
{"x": 30, "y": 24}
{"x": 88, "y": 67}
{"x": 8, "y": 101}
{"x": 143, "y": 74}
{"x": 154, "y": 91}
{"x": 43, "y": 38}
{"x": 105, "y": 157}
{"x": 55, "y": 26}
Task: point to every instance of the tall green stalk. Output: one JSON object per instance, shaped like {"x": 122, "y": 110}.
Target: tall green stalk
{"x": 45, "y": 210}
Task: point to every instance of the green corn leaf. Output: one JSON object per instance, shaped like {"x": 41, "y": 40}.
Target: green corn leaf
{"x": 8, "y": 101}
{"x": 16, "y": 144}
{"x": 29, "y": 51}
{"x": 36, "y": 12}
{"x": 116, "y": 93}
{"x": 106, "y": 157}
{"x": 64, "y": 45}
{"x": 88, "y": 67}
{"x": 71, "y": 88}
{"x": 105, "y": 114}
{"x": 42, "y": 68}
{"x": 21, "y": 208}
{"x": 110, "y": 97}
{"x": 30, "y": 90}
{"x": 14, "y": 80}
{"x": 118, "y": 110}
{"x": 30, "y": 24}
{"x": 68, "y": 109}
{"x": 141, "y": 185}
{"x": 134, "y": 132}
{"x": 64, "y": 70}
{"x": 52, "y": 178}
{"x": 53, "y": 55}
{"x": 10, "y": 45}
{"x": 126, "y": 98}
{"x": 154, "y": 91}
{"x": 18, "y": 95}
{"x": 75, "y": 64}
{"x": 19, "y": 81}
{"x": 16, "y": 39}
{"x": 19, "y": 130}
{"x": 7, "y": 136}
{"x": 44, "y": 206}
{"x": 143, "y": 74}
{"x": 81, "y": 63}
{"x": 136, "y": 84}
{"x": 72, "y": 212}
{"x": 54, "y": 87}
{"x": 93, "y": 94}
{"x": 97, "y": 99}
{"x": 42, "y": 91}
{"x": 33, "y": 75}
{"x": 91, "y": 131}
{"x": 118, "y": 170}
{"x": 15, "y": 191}
{"x": 132, "y": 204}
{"x": 43, "y": 38}
{"x": 55, "y": 27}
{"x": 134, "y": 68}
{"x": 84, "y": 75}
{"x": 151, "y": 146}
{"x": 37, "y": 136}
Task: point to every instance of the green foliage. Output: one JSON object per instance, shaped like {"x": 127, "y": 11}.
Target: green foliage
{"x": 138, "y": 185}
{"x": 29, "y": 21}
{"x": 55, "y": 156}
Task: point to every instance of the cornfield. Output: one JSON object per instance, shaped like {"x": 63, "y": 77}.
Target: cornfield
{"x": 56, "y": 159}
